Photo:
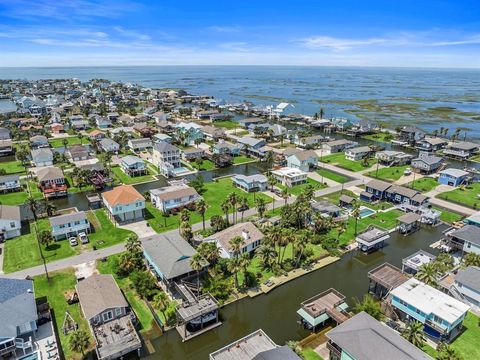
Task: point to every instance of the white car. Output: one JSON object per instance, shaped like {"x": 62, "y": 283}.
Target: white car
{"x": 83, "y": 238}
{"x": 407, "y": 171}
{"x": 73, "y": 241}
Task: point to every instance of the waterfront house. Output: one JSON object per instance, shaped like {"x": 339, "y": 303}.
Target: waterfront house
{"x": 109, "y": 317}
{"x": 166, "y": 157}
{"x": 252, "y": 146}
{"x": 39, "y": 141}
{"x": 364, "y": 338}
{"x": 431, "y": 144}
{"x": 357, "y": 153}
{"x": 6, "y": 147}
{"x": 77, "y": 153}
{"x": 42, "y": 157}
{"x": 371, "y": 239}
{"x": 18, "y": 314}
{"x": 168, "y": 257}
{"x": 139, "y": 145}
{"x": 326, "y": 208}
{"x": 290, "y": 176}
{"x": 103, "y": 122}
{"x": 255, "y": 346}
{"x": 393, "y": 158}
{"x": 310, "y": 142}
{"x": 109, "y": 145}
{"x": 410, "y": 134}
{"x": 189, "y": 133}
{"x": 375, "y": 190}
{"x": 402, "y": 195}
{"x": 441, "y": 315}
{"x": 411, "y": 264}
{"x": 250, "y": 183}
{"x": 124, "y": 204}
{"x": 467, "y": 283}
{"x": 251, "y": 235}
{"x": 466, "y": 239}
{"x": 473, "y": 219}
{"x": 246, "y": 123}
{"x": 10, "y": 222}
{"x": 462, "y": 150}
{"x": 133, "y": 165}
{"x": 173, "y": 197}
{"x": 52, "y": 182}
{"x": 213, "y": 133}
{"x": 162, "y": 137}
{"x": 226, "y": 148}
{"x": 453, "y": 177}
{"x": 304, "y": 160}
{"x": 340, "y": 145}
{"x": 10, "y": 183}
{"x": 342, "y": 123}
{"x": 96, "y": 135}
{"x": 65, "y": 226}
{"x": 427, "y": 163}
{"x": 191, "y": 154}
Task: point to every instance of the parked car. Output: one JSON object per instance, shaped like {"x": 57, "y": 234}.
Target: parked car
{"x": 83, "y": 238}
{"x": 407, "y": 171}
{"x": 73, "y": 241}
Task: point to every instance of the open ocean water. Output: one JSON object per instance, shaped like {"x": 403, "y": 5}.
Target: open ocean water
{"x": 423, "y": 97}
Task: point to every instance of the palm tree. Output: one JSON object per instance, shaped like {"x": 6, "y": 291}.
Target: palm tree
{"x": 261, "y": 206}
{"x": 285, "y": 194}
{"x": 446, "y": 352}
{"x": 186, "y": 231}
{"x": 435, "y": 133}
{"x": 234, "y": 267}
{"x": 414, "y": 333}
{"x": 356, "y": 215}
{"x": 236, "y": 243}
{"x": 65, "y": 143}
{"x": 244, "y": 206}
{"x": 79, "y": 341}
{"x": 201, "y": 207}
{"x": 45, "y": 238}
{"x": 301, "y": 241}
{"x": 49, "y": 208}
{"x": 244, "y": 263}
{"x": 133, "y": 244}
{"x": 232, "y": 199}
{"x": 272, "y": 181}
{"x": 209, "y": 251}
{"x": 370, "y": 306}
{"x": 267, "y": 255}
{"x": 427, "y": 273}
{"x": 471, "y": 259}
{"x": 80, "y": 137}
{"x": 341, "y": 228}
{"x": 160, "y": 302}
{"x": 33, "y": 206}
{"x": 197, "y": 262}
{"x": 165, "y": 215}
{"x": 288, "y": 237}
{"x": 184, "y": 215}
{"x": 269, "y": 158}
{"x": 225, "y": 205}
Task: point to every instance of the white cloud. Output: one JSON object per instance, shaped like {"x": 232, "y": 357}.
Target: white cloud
{"x": 328, "y": 42}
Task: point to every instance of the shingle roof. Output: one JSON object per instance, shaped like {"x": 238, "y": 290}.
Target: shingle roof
{"x": 64, "y": 219}
{"x": 170, "y": 253}
{"x": 469, "y": 277}
{"x": 223, "y": 237}
{"x": 469, "y": 233}
{"x": 122, "y": 195}
{"x": 42, "y": 152}
{"x": 164, "y": 147}
{"x": 378, "y": 185}
{"x": 365, "y": 338}
{"x": 305, "y": 155}
{"x": 174, "y": 192}
{"x": 8, "y": 178}
{"x": 131, "y": 160}
{"x": 454, "y": 172}
{"x": 98, "y": 293}
{"x": 10, "y": 212}
{"x": 50, "y": 173}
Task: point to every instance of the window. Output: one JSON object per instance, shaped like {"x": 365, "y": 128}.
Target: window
{"x": 12, "y": 224}
{"x": 118, "y": 311}
{"x": 106, "y": 316}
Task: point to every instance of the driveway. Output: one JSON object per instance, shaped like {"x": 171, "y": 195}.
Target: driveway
{"x": 141, "y": 228}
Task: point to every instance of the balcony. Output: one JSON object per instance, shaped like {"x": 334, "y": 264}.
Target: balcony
{"x": 335, "y": 351}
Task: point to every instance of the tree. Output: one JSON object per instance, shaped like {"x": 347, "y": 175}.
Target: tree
{"x": 446, "y": 352}
{"x": 301, "y": 241}
{"x": 45, "y": 237}
{"x": 232, "y": 199}
{"x": 269, "y": 158}
{"x": 133, "y": 244}
{"x": 197, "y": 141}
{"x": 356, "y": 215}
{"x": 186, "y": 231}
{"x": 79, "y": 341}
{"x": 80, "y": 137}
{"x": 471, "y": 259}
{"x": 199, "y": 162}
{"x": 272, "y": 181}
{"x": 197, "y": 262}
{"x": 370, "y": 306}
{"x": 244, "y": 206}
{"x": 414, "y": 333}
{"x": 236, "y": 243}
{"x": 33, "y": 206}
{"x": 201, "y": 207}
{"x": 260, "y": 206}
{"x": 209, "y": 251}
{"x": 341, "y": 228}
{"x": 225, "y": 205}
{"x": 217, "y": 223}
{"x": 65, "y": 143}
{"x": 427, "y": 273}
{"x": 285, "y": 194}
{"x": 234, "y": 267}
{"x": 244, "y": 264}
{"x": 144, "y": 283}
{"x": 161, "y": 302}
{"x": 49, "y": 208}
{"x": 165, "y": 215}
{"x": 184, "y": 215}
{"x": 267, "y": 254}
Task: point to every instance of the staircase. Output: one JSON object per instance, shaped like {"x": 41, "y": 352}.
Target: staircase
{"x": 457, "y": 294}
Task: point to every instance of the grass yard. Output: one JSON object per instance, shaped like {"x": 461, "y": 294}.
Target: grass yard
{"x": 105, "y": 234}
{"x": 467, "y": 196}
{"x": 392, "y": 173}
{"x": 126, "y": 179}
{"x": 72, "y": 140}
{"x": 449, "y": 216}
{"x": 53, "y": 290}
{"x": 332, "y": 175}
{"x": 424, "y": 184}
{"x": 382, "y": 137}
{"x": 298, "y": 189}
{"x": 19, "y": 197}
{"x": 74, "y": 189}
{"x": 22, "y": 252}
{"x": 241, "y": 159}
{"x": 310, "y": 354}
{"x": 138, "y": 305}
{"x": 335, "y": 198}
{"x": 226, "y": 124}
{"x": 206, "y": 165}
{"x": 215, "y": 193}
{"x": 339, "y": 160}
{"x": 13, "y": 167}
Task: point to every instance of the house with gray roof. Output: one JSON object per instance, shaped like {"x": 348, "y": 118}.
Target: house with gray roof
{"x": 364, "y": 338}
{"x": 461, "y": 150}
{"x": 42, "y": 157}
{"x": 467, "y": 283}
{"x": 65, "y": 226}
{"x": 77, "y": 152}
{"x": 431, "y": 144}
{"x": 138, "y": 145}
{"x": 453, "y": 177}
{"x": 38, "y": 141}
{"x": 18, "y": 314}
{"x": 303, "y": 160}
{"x": 250, "y": 183}
{"x": 10, "y": 183}
{"x": 109, "y": 145}
{"x": 168, "y": 256}
{"x": 223, "y": 148}
{"x": 133, "y": 165}
{"x": 10, "y": 222}
{"x": 357, "y": 153}
{"x": 466, "y": 239}
{"x": 252, "y": 146}
{"x": 340, "y": 145}
{"x": 173, "y": 197}
{"x": 427, "y": 163}
{"x": 166, "y": 157}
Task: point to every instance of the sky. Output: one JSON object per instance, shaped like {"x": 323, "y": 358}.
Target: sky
{"x": 421, "y": 33}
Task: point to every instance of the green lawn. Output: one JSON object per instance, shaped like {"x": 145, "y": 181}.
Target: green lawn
{"x": 13, "y": 167}
{"x": 215, "y": 193}
{"x": 382, "y": 137}
{"x": 424, "y": 184}
{"x": 74, "y": 189}
{"x": 332, "y": 175}
{"x": 226, "y": 124}
{"x": 53, "y": 290}
{"x": 126, "y": 179}
{"x": 105, "y": 234}
{"x": 19, "y": 197}
{"x": 392, "y": 173}
{"x": 298, "y": 189}
{"x": 339, "y": 160}
{"x": 309, "y": 354}
{"x": 22, "y": 252}
{"x": 467, "y": 196}
{"x": 241, "y": 159}
{"x": 335, "y": 198}
{"x": 206, "y": 165}
{"x": 72, "y": 140}
{"x": 449, "y": 216}
{"x": 138, "y": 305}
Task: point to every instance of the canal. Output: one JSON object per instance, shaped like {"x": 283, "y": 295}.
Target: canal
{"x": 275, "y": 312}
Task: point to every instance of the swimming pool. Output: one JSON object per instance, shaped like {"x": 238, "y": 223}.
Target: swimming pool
{"x": 366, "y": 212}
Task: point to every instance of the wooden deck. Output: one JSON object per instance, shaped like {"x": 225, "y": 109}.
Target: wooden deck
{"x": 116, "y": 338}
{"x": 323, "y": 302}
{"x": 388, "y": 276}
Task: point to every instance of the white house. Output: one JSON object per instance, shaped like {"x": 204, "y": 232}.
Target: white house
{"x": 10, "y": 222}
{"x": 67, "y": 225}
{"x": 108, "y": 145}
{"x": 288, "y": 176}
{"x": 357, "y": 153}
{"x": 173, "y": 197}
{"x": 10, "y": 183}
{"x": 304, "y": 160}
{"x": 251, "y": 235}
{"x": 124, "y": 203}
{"x": 42, "y": 157}
{"x": 467, "y": 282}
{"x": 166, "y": 157}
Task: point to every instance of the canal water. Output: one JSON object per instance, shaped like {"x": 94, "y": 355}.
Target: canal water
{"x": 275, "y": 312}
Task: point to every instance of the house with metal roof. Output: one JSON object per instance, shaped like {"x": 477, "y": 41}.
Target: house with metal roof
{"x": 427, "y": 163}
{"x": 18, "y": 314}
{"x": 364, "y": 338}
{"x": 467, "y": 283}
{"x": 133, "y": 165}
{"x": 303, "y": 160}
{"x": 250, "y": 183}
{"x": 393, "y": 158}
{"x": 466, "y": 239}
{"x": 252, "y": 146}
{"x": 67, "y": 225}
{"x": 42, "y": 157}
{"x": 139, "y": 145}
{"x": 173, "y": 197}
{"x": 453, "y": 177}
{"x": 10, "y": 183}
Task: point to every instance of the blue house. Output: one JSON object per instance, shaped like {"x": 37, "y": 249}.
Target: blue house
{"x": 133, "y": 165}
{"x": 251, "y": 183}
{"x": 441, "y": 315}
{"x": 453, "y": 177}
{"x": 191, "y": 132}
{"x": 375, "y": 190}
